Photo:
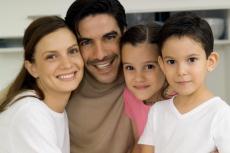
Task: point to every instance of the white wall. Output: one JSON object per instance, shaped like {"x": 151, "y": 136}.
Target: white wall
{"x": 10, "y": 64}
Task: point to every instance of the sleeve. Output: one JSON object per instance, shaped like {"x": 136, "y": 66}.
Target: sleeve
{"x": 222, "y": 131}
{"x": 147, "y": 136}
{"x": 32, "y": 130}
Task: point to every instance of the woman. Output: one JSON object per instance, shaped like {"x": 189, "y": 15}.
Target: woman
{"x": 33, "y": 117}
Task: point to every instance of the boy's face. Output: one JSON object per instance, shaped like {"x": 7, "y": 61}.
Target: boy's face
{"x": 99, "y": 37}
{"x": 143, "y": 75}
{"x": 185, "y": 64}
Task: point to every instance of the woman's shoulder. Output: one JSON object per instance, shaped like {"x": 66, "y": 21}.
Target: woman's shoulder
{"x": 26, "y": 104}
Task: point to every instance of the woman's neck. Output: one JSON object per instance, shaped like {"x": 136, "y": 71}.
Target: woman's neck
{"x": 57, "y": 102}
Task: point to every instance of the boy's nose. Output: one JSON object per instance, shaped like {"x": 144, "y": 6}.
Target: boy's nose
{"x": 181, "y": 69}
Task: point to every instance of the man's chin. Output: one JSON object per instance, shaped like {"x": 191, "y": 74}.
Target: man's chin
{"x": 104, "y": 76}
{"x": 106, "y": 79}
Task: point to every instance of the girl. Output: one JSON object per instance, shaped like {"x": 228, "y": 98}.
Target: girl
{"x": 144, "y": 79}
{"x": 33, "y": 117}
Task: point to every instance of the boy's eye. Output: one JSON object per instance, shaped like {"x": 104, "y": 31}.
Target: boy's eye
{"x": 192, "y": 59}
{"x": 170, "y": 61}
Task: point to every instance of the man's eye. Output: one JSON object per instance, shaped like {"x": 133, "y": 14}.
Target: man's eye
{"x": 84, "y": 42}
{"x": 170, "y": 62}
{"x": 110, "y": 37}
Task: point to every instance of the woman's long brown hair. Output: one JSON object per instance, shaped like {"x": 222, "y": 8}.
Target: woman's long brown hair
{"x": 33, "y": 34}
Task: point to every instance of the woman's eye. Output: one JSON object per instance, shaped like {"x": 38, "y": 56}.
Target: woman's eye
{"x": 51, "y": 57}
{"x": 73, "y": 50}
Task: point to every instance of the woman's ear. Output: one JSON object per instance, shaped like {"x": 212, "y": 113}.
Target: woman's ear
{"x": 30, "y": 67}
{"x": 161, "y": 63}
{"x": 212, "y": 61}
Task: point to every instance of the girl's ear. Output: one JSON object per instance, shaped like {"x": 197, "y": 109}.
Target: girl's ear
{"x": 31, "y": 68}
{"x": 161, "y": 63}
{"x": 212, "y": 61}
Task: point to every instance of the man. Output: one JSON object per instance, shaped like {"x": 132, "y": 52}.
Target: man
{"x": 95, "y": 111}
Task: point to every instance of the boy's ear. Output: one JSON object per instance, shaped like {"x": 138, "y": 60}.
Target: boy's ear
{"x": 30, "y": 67}
{"x": 161, "y": 63}
{"x": 212, "y": 61}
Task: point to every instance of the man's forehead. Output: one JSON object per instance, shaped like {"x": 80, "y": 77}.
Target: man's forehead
{"x": 97, "y": 26}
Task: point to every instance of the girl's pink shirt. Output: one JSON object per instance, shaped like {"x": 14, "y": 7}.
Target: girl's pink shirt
{"x": 136, "y": 110}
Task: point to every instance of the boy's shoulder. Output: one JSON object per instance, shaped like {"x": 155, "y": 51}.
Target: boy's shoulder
{"x": 164, "y": 104}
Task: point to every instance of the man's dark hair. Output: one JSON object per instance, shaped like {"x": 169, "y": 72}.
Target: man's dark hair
{"x": 83, "y": 8}
{"x": 188, "y": 24}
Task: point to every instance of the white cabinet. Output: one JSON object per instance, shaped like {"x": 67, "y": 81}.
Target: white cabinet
{"x": 16, "y": 15}
{"x": 173, "y": 5}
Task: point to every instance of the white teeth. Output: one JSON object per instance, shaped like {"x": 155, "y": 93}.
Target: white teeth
{"x": 102, "y": 66}
{"x": 66, "y": 76}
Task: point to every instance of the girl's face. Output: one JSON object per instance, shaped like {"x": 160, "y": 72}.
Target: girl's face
{"x": 58, "y": 66}
{"x": 143, "y": 75}
{"x": 185, "y": 64}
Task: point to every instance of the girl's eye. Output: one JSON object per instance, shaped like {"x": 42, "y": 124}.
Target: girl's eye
{"x": 192, "y": 59}
{"x": 170, "y": 62}
{"x": 150, "y": 66}
{"x": 128, "y": 67}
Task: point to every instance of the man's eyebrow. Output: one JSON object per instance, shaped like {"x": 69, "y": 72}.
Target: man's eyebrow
{"x": 111, "y": 33}
{"x": 82, "y": 38}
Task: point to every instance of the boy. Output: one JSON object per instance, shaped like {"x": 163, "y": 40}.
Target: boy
{"x": 195, "y": 120}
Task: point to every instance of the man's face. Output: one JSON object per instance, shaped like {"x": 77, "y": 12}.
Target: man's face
{"x": 99, "y": 37}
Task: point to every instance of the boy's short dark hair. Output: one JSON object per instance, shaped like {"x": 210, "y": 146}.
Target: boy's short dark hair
{"x": 83, "y": 8}
{"x": 188, "y": 24}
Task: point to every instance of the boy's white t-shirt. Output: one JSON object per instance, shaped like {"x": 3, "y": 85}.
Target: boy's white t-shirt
{"x": 30, "y": 126}
{"x": 198, "y": 131}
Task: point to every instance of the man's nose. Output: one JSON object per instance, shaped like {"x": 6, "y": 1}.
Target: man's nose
{"x": 99, "y": 52}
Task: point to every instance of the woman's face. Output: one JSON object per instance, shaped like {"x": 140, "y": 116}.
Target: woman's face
{"x": 142, "y": 72}
{"x": 58, "y": 65}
